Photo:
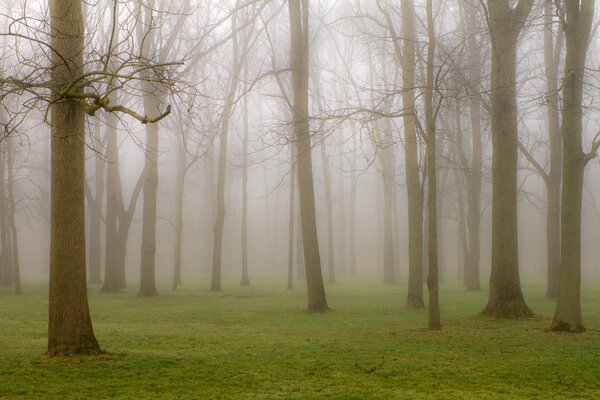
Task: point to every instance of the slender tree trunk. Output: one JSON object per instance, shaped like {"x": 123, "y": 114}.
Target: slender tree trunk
{"x": 5, "y": 248}
{"x": 567, "y": 316}
{"x": 95, "y": 207}
{"x": 299, "y": 56}
{"x": 179, "y": 194}
{"x": 292, "y": 217}
{"x": 112, "y": 281}
{"x": 70, "y": 327}
{"x": 300, "y": 267}
{"x": 413, "y": 186}
{"x": 471, "y": 275}
{"x": 245, "y": 280}
{"x": 10, "y": 154}
{"x": 551, "y": 59}
{"x": 150, "y": 194}
{"x": 352, "y": 211}
{"x": 432, "y": 228}
{"x": 329, "y": 210}
{"x": 505, "y": 296}
{"x": 462, "y": 249}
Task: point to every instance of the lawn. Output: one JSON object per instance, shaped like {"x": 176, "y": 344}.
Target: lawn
{"x": 258, "y": 342}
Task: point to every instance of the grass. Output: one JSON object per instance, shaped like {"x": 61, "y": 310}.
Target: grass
{"x": 259, "y": 343}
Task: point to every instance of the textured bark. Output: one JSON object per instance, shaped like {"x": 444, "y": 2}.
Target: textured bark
{"x": 70, "y": 327}
{"x": 299, "y": 56}
{"x": 505, "y": 24}
{"x": 413, "y": 186}
{"x": 567, "y": 316}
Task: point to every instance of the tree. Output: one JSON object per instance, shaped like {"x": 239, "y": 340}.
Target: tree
{"x": 70, "y": 326}
{"x": 413, "y": 185}
{"x": 505, "y": 24}
{"x": 432, "y": 213}
{"x": 299, "y": 62}
{"x": 577, "y": 25}
{"x": 471, "y": 274}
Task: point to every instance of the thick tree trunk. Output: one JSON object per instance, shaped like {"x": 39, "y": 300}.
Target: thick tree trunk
{"x": 299, "y": 56}
{"x": 413, "y": 186}
{"x": 70, "y": 327}
{"x": 505, "y": 296}
{"x": 567, "y": 316}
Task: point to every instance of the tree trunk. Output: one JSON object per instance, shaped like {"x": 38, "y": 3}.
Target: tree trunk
{"x": 292, "y": 217}
{"x": 5, "y": 247}
{"x": 245, "y": 280}
{"x": 567, "y": 316}
{"x": 299, "y": 56}
{"x": 551, "y": 59}
{"x": 432, "y": 216}
{"x": 179, "y": 192}
{"x": 352, "y": 211}
{"x": 10, "y": 154}
{"x": 150, "y": 193}
{"x": 95, "y": 207}
{"x": 471, "y": 275}
{"x": 70, "y": 327}
{"x": 329, "y": 208}
{"x": 112, "y": 281}
{"x": 505, "y": 296}
{"x": 413, "y": 186}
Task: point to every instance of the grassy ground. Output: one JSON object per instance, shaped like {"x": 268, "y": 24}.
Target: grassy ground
{"x": 259, "y": 343}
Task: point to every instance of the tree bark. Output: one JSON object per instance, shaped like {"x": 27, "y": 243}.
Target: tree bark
{"x": 505, "y": 24}
{"x": 70, "y": 327}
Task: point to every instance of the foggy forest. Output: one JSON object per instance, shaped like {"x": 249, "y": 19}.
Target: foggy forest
{"x": 299, "y": 199}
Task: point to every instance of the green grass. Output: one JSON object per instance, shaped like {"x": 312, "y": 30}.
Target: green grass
{"x": 259, "y": 343}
